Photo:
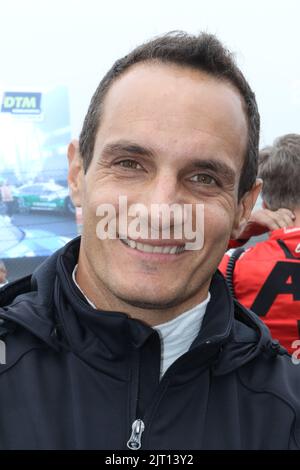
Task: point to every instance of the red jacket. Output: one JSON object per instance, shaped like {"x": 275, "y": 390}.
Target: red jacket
{"x": 266, "y": 279}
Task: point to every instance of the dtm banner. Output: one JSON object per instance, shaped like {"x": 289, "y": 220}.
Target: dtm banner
{"x": 36, "y": 213}
{"x": 21, "y": 103}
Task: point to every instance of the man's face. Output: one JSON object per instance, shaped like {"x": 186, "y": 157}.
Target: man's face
{"x": 168, "y": 135}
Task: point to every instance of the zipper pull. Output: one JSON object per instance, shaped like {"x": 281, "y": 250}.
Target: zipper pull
{"x": 138, "y": 428}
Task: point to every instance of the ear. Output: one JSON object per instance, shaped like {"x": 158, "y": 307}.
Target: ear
{"x": 245, "y": 207}
{"x": 76, "y": 173}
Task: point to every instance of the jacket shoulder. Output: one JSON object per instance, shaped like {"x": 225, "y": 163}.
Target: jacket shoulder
{"x": 11, "y": 290}
{"x": 276, "y": 375}
{"x": 23, "y": 327}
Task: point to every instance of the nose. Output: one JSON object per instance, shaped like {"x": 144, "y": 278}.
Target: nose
{"x": 161, "y": 196}
{"x": 164, "y": 189}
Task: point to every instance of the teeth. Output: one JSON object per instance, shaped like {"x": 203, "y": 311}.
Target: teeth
{"x": 146, "y": 248}
{"x": 172, "y": 250}
{"x": 132, "y": 243}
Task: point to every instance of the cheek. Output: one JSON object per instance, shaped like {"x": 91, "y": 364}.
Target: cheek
{"x": 217, "y": 224}
{"x": 95, "y": 196}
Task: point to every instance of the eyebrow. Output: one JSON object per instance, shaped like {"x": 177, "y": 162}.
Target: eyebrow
{"x": 131, "y": 148}
{"x": 216, "y": 166}
{"x": 125, "y": 146}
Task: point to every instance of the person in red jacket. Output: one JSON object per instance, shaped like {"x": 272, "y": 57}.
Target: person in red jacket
{"x": 266, "y": 277}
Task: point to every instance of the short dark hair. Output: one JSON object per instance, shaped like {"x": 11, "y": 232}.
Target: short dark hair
{"x": 279, "y": 168}
{"x": 203, "y": 52}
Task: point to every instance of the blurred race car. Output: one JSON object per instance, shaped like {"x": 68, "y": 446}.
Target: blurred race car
{"x": 16, "y": 242}
{"x": 43, "y": 196}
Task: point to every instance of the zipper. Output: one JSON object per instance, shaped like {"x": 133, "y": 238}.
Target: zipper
{"x": 137, "y": 428}
{"x": 135, "y": 440}
{"x": 138, "y": 425}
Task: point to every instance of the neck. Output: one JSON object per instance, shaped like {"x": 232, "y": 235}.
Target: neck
{"x": 104, "y": 299}
{"x": 297, "y": 217}
{"x": 296, "y": 212}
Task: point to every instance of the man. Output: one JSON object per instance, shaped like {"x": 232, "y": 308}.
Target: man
{"x": 266, "y": 278}
{"x": 134, "y": 342}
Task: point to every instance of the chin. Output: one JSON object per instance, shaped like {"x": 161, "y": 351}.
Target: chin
{"x": 150, "y": 302}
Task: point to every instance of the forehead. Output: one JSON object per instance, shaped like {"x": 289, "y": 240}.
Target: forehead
{"x": 169, "y": 105}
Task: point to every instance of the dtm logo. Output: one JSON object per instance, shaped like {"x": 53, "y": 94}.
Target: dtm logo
{"x": 21, "y": 103}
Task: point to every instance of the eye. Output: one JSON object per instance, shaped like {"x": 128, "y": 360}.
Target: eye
{"x": 203, "y": 179}
{"x": 130, "y": 164}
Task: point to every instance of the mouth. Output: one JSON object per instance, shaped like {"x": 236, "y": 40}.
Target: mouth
{"x": 155, "y": 249}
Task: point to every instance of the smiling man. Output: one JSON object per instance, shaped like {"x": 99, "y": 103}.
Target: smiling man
{"x": 133, "y": 341}
{"x": 169, "y": 134}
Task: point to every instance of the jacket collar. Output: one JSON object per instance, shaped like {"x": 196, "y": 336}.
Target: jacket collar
{"x": 286, "y": 232}
{"x": 115, "y": 332}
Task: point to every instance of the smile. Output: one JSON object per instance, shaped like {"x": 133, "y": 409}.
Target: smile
{"x": 146, "y": 248}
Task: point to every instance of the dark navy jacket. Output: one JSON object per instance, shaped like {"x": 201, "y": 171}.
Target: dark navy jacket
{"x": 78, "y": 378}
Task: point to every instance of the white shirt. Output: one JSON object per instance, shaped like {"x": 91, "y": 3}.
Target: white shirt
{"x": 176, "y": 335}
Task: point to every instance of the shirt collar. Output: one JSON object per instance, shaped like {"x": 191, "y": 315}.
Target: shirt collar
{"x": 77, "y": 285}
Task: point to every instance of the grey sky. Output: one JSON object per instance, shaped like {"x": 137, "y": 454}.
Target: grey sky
{"x": 73, "y": 42}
